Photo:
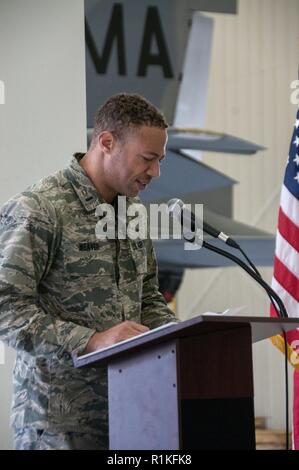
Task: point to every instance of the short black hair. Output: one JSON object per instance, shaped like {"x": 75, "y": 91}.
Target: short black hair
{"x": 124, "y": 112}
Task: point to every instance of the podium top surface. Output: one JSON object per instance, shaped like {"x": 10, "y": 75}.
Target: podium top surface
{"x": 261, "y": 328}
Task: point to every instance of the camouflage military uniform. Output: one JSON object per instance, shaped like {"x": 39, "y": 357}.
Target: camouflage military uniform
{"x": 58, "y": 285}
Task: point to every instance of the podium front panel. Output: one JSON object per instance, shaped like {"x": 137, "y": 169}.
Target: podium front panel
{"x": 143, "y": 400}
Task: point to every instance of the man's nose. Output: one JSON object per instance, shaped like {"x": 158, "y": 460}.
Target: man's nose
{"x": 154, "y": 169}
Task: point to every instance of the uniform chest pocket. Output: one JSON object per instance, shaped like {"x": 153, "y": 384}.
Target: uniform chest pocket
{"x": 83, "y": 263}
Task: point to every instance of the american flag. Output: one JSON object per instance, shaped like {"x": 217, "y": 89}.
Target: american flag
{"x": 285, "y": 280}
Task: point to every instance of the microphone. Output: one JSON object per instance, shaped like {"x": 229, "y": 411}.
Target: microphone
{"x": 177, "y": 207}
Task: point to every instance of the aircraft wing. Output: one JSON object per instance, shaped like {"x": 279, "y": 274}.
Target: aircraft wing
{"x": 200, "y": 139}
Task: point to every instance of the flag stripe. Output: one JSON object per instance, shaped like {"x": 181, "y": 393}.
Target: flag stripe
{"x": 288, "y": 229}
{"x": 290, "y": 205}
{"x": 291, "y": 304}
{"x": 287, "y": 254}
{"x": 286, "y": 279}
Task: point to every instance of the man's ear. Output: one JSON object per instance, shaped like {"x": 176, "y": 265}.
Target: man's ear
{"x": 106, "y": 141}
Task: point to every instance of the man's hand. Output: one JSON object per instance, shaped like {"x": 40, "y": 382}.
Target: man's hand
{"x": 125, "y": 330}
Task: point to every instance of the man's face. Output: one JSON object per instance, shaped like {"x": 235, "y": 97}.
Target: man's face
{"x": 135, "y": 160}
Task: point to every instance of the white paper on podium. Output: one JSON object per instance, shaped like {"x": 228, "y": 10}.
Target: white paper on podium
{"x": 228, "y": 312}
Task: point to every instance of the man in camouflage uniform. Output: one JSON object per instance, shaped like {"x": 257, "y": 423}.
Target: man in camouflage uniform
{"x": 63, "y": 290}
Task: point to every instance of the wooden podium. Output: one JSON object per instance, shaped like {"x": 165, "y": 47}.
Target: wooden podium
{"x": 186, "y": 386}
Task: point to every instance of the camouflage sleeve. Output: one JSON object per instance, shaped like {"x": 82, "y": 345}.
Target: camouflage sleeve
{"x": 155, "y": 311}
{"x": 27, "y": 240}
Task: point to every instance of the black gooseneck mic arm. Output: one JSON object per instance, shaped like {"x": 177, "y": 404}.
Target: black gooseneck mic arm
{"x": 176, "y": 206}
{"x": 282, "y": 310}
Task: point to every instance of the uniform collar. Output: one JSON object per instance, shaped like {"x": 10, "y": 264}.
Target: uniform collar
{"x": 82, "y": 185}
{"x": 84, "y": 188}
